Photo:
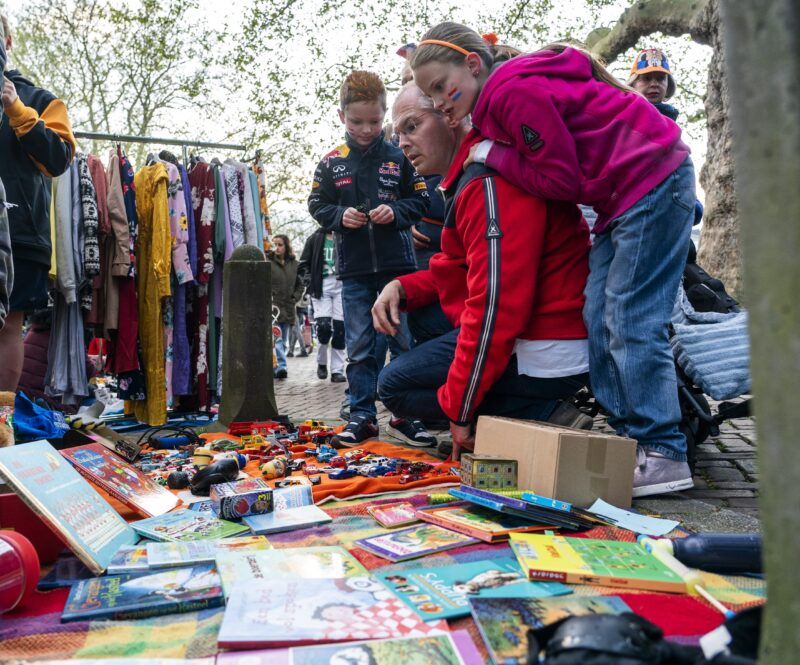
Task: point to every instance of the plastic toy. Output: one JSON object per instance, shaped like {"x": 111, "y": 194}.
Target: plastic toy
{"x": 178, "y": 480}
{"x": 338, "y": 462}
{"x": 354, "y": 454}
{"x": 342, "y": 474}
{"x": 275, "y": 468}
{"x": 202, "y": 457}
{"x": 410, "y": 478}
{"x": 223, "y": 471}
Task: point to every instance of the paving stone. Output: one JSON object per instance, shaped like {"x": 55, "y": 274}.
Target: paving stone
{"x": 715, "y": 473}
{"x": 708, "y": 463}
{"x": 748, "y": 465}
{"x": 704, "y": 494}
{"x": 707, "y": 448}
{"x": 734, "y": 485}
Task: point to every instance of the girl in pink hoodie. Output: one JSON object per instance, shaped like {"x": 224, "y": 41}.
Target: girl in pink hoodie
{"x": 557, "y": 124}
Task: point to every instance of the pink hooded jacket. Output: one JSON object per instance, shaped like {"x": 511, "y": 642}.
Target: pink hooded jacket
{"x": 561, "y": 134}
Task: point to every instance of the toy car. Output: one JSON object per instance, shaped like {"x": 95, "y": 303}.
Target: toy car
{"x": 338, "y": 462}
{"x": 342, "y": 474}
{"x": 310, "y": 469}
{"x": 379, "y": 470}
{"x": 410, "y": 478}
{"x": 325, "y": 457}
{"x": 354, "y": 454}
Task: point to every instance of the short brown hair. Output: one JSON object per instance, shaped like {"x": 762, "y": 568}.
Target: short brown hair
{"x": 361, "y": 86}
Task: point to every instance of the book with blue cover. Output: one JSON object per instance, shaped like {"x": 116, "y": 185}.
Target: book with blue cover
{"x": 184, "y": 524}
{"x": 139, "y": 596}
{"x": 66, "y": 503}
{"x": 443, "y": 592}
{"x": 287, "y": 519}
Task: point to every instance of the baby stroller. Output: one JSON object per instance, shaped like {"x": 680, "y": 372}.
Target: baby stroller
{"x": 709, "y": 340}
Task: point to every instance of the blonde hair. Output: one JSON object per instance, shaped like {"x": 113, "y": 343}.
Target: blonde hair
{"x": 361, "y": 86}
{"x": 599, "y": 72}
{"x": 5, "y": 28}
{"x": 458, "y": 35}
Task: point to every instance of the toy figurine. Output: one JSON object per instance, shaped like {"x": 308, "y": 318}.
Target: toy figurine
{"x": 202, "y": 457}
{"x": 275, "y": 468}
{"x": 178, "y": 480}
{"x": 223, "y": 471}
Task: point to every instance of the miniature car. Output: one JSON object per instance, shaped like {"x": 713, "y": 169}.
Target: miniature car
{"x": 354, "y": 454}
{"x": 342, "y": 474}
{"x": 325, "y": 457}
{"x": 410, "y": 478}
{"x": 379, "y": 470}
{"x": 314, "y": 424}
{"x": 338, "y": 462}
{"x": 310, "y": 469}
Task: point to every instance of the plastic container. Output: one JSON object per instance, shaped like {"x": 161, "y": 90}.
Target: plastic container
{"x": 720, "y": 552}
{"x": 19, "y": 570}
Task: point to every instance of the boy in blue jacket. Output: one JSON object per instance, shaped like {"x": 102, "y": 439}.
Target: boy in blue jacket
{"x": 370, "y": 196}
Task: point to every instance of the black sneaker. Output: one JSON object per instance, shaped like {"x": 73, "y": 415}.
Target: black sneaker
{"x": 281, "y": 374}
{"x": 322, "y": 371}
{"x": 412, "y": 432}
{"x": 338, "y": 377}
{"x": 290, "y": 354}
{"x": 357, "y": 431}
{"x": 568, "y": 415}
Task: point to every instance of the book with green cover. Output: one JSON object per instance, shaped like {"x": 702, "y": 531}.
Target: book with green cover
{"x": 504, "y": 622}
{"x": 328, "y": 562}
{"x": 589, "y": 561}
{"x": 184, "y": 524}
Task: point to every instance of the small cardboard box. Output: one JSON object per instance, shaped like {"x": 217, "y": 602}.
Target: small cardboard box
{"x": 562, "y": 463}
{"x": 488, "y": 471}
{"x": 235, "y": 500}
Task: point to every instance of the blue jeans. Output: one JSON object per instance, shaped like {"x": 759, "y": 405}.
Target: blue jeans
{"x": 358, "y": 296}
{"x": 408, "y": 386}
{"x": 634, "y": 271}
{"x": 280, "y": 344}
{"x": 427, "y": 323}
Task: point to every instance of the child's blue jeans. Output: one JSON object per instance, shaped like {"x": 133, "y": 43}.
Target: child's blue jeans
{"x": 358, "y": 296}
{"x": 635, "y": 269}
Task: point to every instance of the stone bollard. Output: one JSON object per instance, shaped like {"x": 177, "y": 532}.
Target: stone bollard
{"x": 248, "y": 392}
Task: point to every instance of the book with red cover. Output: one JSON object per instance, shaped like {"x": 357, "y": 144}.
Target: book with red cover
{"x": 121, "y": 480}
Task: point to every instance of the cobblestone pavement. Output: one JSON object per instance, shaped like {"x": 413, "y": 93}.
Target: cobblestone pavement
{"x": 725, "y": 496}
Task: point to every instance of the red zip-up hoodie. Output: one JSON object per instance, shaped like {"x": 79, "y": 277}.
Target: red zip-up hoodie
{"x": 512, "y": 266}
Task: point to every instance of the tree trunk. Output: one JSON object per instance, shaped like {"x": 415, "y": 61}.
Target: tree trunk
{"x": 719, "y": 247}
{"x": 764, "y": 65}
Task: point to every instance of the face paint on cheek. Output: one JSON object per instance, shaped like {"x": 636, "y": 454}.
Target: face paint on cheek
{"x": 454, "y": 94}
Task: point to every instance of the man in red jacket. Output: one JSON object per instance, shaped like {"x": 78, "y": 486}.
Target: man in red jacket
{"x": 510, "y": 278}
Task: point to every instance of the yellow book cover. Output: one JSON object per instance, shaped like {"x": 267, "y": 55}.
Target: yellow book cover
{"x": 589, "y": 561}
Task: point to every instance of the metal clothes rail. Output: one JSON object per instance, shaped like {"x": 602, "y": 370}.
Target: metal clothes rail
{"x": 183, "y": 143}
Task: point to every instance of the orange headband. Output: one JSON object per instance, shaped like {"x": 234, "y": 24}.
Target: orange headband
{"x": 439, "y": 42}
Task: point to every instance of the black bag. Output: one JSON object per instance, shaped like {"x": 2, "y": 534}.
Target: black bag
{"x": 705, "y": 293}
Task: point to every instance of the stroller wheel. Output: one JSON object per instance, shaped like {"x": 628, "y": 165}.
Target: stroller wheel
{"x": 694, "y": 428}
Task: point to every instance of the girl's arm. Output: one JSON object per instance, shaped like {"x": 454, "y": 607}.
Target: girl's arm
{"x": 533, "y": 148}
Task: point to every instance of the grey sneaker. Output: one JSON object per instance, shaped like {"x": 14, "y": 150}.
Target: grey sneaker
{"x": 568, "y": 415}
{"x": 656, "y": 474}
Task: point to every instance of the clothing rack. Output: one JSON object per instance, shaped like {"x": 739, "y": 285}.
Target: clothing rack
{"x": 183, "y": 143}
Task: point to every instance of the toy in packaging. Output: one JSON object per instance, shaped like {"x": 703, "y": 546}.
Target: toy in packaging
{"x": 235, "y": 500}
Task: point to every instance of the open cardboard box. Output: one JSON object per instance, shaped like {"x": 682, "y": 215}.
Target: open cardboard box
{"x": 572, "y": 465}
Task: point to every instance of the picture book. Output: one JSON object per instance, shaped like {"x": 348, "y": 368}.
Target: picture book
{"x": 431, "y": 650}
{"x": 192, "y": 552}
{"x": 504, "y": 622}
{"x": 293, "y": 496}
{"x": 121, "y": 480}
{"x": 443, "y": 592}
{"x": 286, "y": 611}
{"x": 66, "y": 503}
{"x": 206, "y": 506}
{"x": 479, "y": 522}
{"x": 392, "y": 515}
{"x": 414, "y": 542}
{"x": 590, "y": 561}
{"x": 287, "y": 519}
{"x": 305, "y": 562}
{"x": 129, "y": 559}
{"x": 140, "y": 596}
{"x": 542, "y": 511}
{"x": 185, "y": 524}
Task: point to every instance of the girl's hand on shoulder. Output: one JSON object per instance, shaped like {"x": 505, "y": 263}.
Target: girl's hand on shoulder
{"x": 383, "y": 214}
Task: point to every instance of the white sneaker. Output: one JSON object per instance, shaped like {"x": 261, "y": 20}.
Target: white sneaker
{"x": 656, "y": 474}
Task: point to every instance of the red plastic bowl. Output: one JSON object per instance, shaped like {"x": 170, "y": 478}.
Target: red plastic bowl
{"x": 19, "y": 570}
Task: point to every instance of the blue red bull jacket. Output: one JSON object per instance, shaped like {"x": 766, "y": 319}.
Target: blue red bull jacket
{"x": 350, "y": 176}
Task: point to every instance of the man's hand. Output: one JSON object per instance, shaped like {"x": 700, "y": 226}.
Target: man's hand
{"x": 352, "y": 219}
{"x": 9, "y": 93}
{"x": 386, "y": 310}
{"x": 463, "y": 438}
{"x": 421, "y": 241}
{"x": 471, "y": 156}
{"x": 383, "y": 214}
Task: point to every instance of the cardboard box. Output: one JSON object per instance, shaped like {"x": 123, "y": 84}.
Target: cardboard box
{"x": 488, "y": 471}
{"x": 232, "y": 501}
{"x": 562, "y": 463}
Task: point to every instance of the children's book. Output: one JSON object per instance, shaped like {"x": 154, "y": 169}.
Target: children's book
{"x": 206, "y": 506}
{"x": 185, "y": 524}
{"x": 65, "y": 502}
{"x": 293, "y": 496}
{"x": 129, "y": 559}
{"x": 504, "y": 622}
{"x": 393, "y": 515}
{"x": 286, "y": 611}
{"x": 414, "y": 542}
{"x": 140, "y": 596}
{"x": 431, "y": 650}
{"x": 479, "y": 522}
{"x": 287, "y": 519}
{"x": 590, "y": 561}
{"x": 193, "y": 552}
{"x": 304, "y": 562}
{"x": 443, "y": 592}
{"x": 121, "y": 480}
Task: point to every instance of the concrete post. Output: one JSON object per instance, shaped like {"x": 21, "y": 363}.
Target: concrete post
{"x": 248, "y": 392}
